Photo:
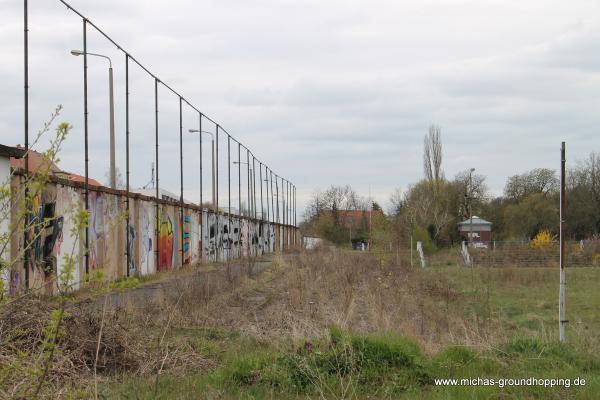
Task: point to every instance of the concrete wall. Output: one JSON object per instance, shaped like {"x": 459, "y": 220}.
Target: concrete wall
{"x": 155, "y": 244}
{"x": 4, "y": 219}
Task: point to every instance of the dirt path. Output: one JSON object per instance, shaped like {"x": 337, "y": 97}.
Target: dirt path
{"x": 148, "y": 292}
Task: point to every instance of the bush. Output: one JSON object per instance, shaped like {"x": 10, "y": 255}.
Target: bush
{"x": 422, "y": 235}
{"x": 543, "y": 240}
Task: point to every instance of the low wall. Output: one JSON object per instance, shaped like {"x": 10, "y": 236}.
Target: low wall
{"x": 163, "y": 236}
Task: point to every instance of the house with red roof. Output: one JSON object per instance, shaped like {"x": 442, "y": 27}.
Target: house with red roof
{"x": 38, "y": 163}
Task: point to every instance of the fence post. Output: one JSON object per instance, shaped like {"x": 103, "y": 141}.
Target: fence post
{"x": 561, "y": 301}
{"x": 26, "y": 129}
{"x": 157, "y": 229}
{"x": 86, "y": 131}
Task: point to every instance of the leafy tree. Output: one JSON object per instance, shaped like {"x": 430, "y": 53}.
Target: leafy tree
{"x": 539, "y": 180}
{"x": 533, "y": 214}
{"x": 422, "y": 235}
{"x": 327, "y": 215}
{"x": 583, "y": 198}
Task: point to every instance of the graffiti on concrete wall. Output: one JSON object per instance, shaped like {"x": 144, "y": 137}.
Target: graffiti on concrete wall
{"x": 68, "y": 201}
{"x": 234, "y": 237}
{"x": 165, "y": 244}
{"x": 236, "y": 234}
{"x": 210, "y": 234}
{"x": 196, "y": 237}
{"x": 97, "y": 229}
{"x": 244, "y": 245}
{"x": 130, "y": 250}
{"x": 187, "y": 251}
{"x": 271, "y": 238}
{"x": 226, "y": 237}
{"x": 45, "y": 237}
{"x": 146, "y": 241}
{"x": 153, "y": 245}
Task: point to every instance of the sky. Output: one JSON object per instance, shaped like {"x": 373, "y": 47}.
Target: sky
{"x": 323, "y": 92}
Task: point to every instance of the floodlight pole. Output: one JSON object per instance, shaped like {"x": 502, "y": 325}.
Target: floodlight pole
{"x": 562, "y": 320}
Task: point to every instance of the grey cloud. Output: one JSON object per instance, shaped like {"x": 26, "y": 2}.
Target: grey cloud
{"x": 323, "y": 92}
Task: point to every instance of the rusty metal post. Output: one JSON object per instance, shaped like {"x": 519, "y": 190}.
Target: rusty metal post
{"x": 262, "y": 211}
{"x": 200, "y": 154}
{"x": 229, "y": 242}
{"x": 248, "y": 181}
{"x": 284, "y": 200}
{"x": 277, "y": 195}
{"x": 239, "y": 181}
{"x": 86, "y": 132}
{"x": 127, "y": 244}
{"x": 157, "y": 228}
{"x": 181, "y": 177}
{"x": 26, "y": 132}
{"x": 267, "y": 193}
{"x": 239, "y": 237}
{"x": 272, "y": 196}
{"x": 216, "y": 205}
{"x": 563, "y": 284}
{"x": 254, "y": 184}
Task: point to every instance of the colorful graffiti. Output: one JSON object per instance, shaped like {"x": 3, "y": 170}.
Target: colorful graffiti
{"x": 96, "y": 230}
{"x": 187, "y": 254}
{"x": 146, "y": 239}
{"x": 165, "y": 245}
{"x": 198, "y": 236}
{"x": 130, "y": 249}
{"x": 45, "y": 236}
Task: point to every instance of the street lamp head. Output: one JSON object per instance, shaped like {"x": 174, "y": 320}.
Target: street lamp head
{"x": 193, "y": 131}
{"x": 472, "y": 169}
{"x": 81, "y": 53}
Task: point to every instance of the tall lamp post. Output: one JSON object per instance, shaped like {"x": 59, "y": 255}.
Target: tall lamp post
{"x": 112, "y": 172}
{"x": 212, "y": 161}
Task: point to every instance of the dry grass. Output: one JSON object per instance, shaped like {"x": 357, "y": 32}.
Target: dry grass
{"x": 304, "y": 294}
{"x": 293, "y": 302}
{"x": 123, "y": 346}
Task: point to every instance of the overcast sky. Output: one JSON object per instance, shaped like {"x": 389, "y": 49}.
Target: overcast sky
{"x": 325, "y": 92}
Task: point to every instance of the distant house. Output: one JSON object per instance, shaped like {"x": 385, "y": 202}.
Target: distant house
{"x": 358, "y": 222}
{"x": 36, "y": 162}
{"x": 476, "y": 229}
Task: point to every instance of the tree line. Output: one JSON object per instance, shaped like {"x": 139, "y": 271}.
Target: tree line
{"x": 430, "y": 209}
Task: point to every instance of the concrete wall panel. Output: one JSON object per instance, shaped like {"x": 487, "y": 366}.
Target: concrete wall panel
{"x": 155, "y": 244}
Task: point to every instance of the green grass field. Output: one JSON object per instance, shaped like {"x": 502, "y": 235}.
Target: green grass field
{"x": 512, "y": 311}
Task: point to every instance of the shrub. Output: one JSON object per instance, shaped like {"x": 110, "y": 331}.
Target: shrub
{"x": 423, "y": 236}
{"x": 543, "y": 240}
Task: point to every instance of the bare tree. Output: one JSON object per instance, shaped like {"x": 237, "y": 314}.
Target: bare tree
{"x": 539, "y": 180}
{"x": 432, "y": 154}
